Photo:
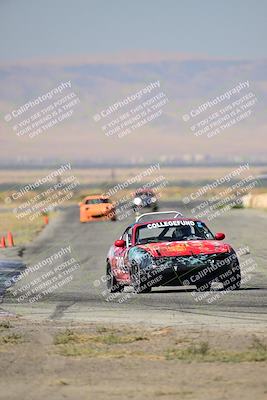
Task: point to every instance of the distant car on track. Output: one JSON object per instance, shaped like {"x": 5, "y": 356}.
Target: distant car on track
{"x": 97, "y": 207}
{"x": 171, "y": 252}
{"x": 145, "y": 198}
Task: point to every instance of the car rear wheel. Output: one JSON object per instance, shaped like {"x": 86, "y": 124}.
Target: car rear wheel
{"x": 112, "y": 284}
{"x": 139, "y": 283}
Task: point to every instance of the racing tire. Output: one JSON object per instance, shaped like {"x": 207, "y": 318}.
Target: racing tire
{"x": 235, "y": 285}
{"x": 112, "y": 284}
{"x": 137, "y": 284}
{"x": 204, "y": 287}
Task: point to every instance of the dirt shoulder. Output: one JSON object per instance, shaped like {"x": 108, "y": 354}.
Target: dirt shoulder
{"x": 24, "y": 231}
{"x": 57, "y": 360}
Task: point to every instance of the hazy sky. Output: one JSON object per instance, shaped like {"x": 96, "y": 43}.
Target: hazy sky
{"x": 48, "y": 28}
{"x": 153, "y": 39}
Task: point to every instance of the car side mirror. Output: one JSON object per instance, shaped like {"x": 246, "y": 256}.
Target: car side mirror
{"x": 120, "y": 243}
{"x": 219, "y": 236}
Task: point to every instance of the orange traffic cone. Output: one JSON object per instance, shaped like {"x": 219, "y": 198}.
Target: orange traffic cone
{"x": 10, "y": 240}
{"x": 3, "y": 242}
{"x": 46, "y": 219}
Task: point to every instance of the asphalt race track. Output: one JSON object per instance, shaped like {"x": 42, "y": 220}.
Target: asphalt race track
{"x": 84, "y": 297}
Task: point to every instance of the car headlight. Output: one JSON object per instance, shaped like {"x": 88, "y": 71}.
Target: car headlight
{"x": 141, "y": 258}
{"x": 137, "y": 201}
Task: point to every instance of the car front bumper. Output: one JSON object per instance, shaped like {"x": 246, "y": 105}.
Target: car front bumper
{"x": 192, "y": 270}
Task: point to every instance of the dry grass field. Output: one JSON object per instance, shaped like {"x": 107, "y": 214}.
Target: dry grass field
{"x": 65, "y": 361}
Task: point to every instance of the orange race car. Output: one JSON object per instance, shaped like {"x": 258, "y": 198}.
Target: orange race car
{"x": 97, "y": 207}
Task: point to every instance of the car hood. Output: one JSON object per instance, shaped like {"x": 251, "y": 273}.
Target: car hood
{"x": 97, "y": 207}
{"x": 185, "y": 248}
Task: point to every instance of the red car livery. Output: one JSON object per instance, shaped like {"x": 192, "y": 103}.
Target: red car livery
{"x": 171, "y": 252}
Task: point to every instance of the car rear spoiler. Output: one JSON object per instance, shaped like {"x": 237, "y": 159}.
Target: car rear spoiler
{"x": 176, "y": 214}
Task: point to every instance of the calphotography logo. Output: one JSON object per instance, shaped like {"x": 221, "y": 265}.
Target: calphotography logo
{"x": 227, "y": 110}
{"x": 138, "y": 110}
{"x": 44, "y": 112}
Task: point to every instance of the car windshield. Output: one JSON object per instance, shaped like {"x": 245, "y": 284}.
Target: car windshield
{"x": 168, "y": 231}
{"x": 144, "y": 194}
{"x": 96, "y": 201}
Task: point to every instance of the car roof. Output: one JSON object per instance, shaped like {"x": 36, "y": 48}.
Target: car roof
{"x": 96, "y": 196}
{"x": 144, "y": 191}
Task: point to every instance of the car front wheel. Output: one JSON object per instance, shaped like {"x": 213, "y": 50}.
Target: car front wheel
{"x": 139, "y": 283}
{"x": 234, "y": 282}
{"x": 204, "y": 287}
{"x": 112, "y": 284}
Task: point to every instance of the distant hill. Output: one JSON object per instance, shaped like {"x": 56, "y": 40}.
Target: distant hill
{"x": 188, "y": 81}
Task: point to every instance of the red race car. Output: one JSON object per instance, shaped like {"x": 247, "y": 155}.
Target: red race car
{"x": 173, "y": 251}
